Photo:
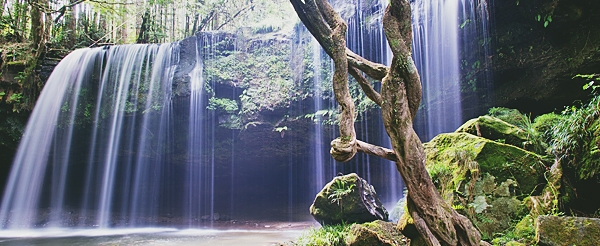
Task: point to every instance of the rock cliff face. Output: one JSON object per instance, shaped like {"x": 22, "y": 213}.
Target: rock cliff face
{"x": 537, "y": 47}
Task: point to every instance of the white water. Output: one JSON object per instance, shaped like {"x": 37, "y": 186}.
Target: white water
{"x": 194, "y": 205}
{"x": 102, "y": 86}
{"x": 435, "y": 47}
{"x": 318, "y": 155}
{"x": 443, "y": 34}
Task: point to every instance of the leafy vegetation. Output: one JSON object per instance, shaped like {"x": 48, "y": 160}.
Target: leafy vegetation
{"x": 575, "y": 133}
{"x": 222, "y": 105}
{"x": 329, "y": 235}
{"x": 339, "y": 190}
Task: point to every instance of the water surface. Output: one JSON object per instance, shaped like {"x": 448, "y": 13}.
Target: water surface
{"x": 262, "y": 235}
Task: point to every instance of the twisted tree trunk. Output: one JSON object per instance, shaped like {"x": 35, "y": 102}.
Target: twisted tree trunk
{"x": 399, "y": 100}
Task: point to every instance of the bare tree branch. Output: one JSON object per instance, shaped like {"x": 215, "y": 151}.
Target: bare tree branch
{"x": 374, "y": 70}
{"x": 375, "y": 150}
{"x": 365, "y": 85}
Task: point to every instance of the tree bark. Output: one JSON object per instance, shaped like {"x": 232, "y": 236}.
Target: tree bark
{"x": 399, "y": 99}
{"x": 37, "y": 25}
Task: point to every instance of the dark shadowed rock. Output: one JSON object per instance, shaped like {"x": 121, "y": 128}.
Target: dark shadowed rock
{"x": 348, "y": 199}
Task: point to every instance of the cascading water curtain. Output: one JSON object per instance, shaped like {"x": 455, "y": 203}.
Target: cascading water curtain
{"x": 115, "y": 100}
{"x": 436, "y": 55}
{"x": 450, "y": 45}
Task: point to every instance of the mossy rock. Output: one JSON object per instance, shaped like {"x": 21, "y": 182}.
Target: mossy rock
{"x": 347, "y": 199}
{"x": 555, "y": 230}
{"x": 495, "y": 129}
{"x": 376, "y": 233}
{"x": 483, "y": 179}
{"x": 462, "y": 154}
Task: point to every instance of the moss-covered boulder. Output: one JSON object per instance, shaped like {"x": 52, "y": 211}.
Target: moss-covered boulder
{"x": 555, "y": 230}
{"x": 495, "y": 129}
{"x": 376, "y": 233}
{"x": 460, "y": 156}
{"x": 347, "y": 199}
{"x": 483, "y": 179}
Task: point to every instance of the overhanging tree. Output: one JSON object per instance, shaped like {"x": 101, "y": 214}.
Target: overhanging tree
{"x": 399, "y": 100}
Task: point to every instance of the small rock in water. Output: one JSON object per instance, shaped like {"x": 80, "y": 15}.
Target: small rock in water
{"x": 216, "y": 216}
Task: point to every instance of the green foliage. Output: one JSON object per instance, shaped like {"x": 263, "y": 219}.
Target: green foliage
{"x": 264, "y": 74}
{"x": 225, "y": 105}
{"x": 574, "y": 138}
{"x": 479, "y": 204}
{"x": 535, "y": 139}
{"x": 339, "y": 190}
{"x": 543, "y": 124}
{"x": 547, "y": 19}
{"x": 324, "y": 116}
{"x": 535, "y": 131}
{"x": 15, "y": 98}
{"x": 12, "y": 126}
{"x": 591, "y": 84}
{"x": 329, "y": 235}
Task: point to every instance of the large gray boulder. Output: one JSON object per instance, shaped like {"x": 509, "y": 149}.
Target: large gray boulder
{"x": 347, "y": 199}
{"x": 555, "y": 231}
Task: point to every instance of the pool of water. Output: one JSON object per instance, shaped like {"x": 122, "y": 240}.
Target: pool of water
{"x": 264, "y": 235}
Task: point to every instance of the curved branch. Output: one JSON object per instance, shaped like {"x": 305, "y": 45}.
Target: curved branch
{"x": 365, "y": 85}
{"x": 375, "y": 150}
{"x": 374, "y": 70}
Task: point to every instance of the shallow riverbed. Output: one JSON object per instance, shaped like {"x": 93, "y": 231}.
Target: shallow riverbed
{"x": 262, "y": 234}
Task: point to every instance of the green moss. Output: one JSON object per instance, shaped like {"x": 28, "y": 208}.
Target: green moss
{"x": 500, "y": 160}
{"x": 554, "y": 230}
{"x": 484, "y": 178}
{"x": 511, "y": 116}
{"x": 495, "y": 129}
{"x": 407, "y": 226}
{"x": 375, "y": 233}
{"x": 544, "y": 123}
{"x": 16, "y": 63}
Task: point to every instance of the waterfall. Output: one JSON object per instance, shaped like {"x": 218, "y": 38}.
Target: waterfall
{"x": 198, "y": 172}
{"x": 114, "y": 140}
{"x": 102, "y": 88}
{"x": 443, "y": 37}
{"x": 318, "y": 157}
{"x": 435, "y": 48}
